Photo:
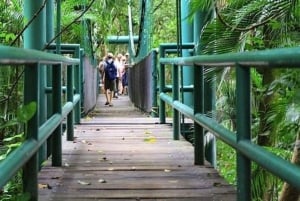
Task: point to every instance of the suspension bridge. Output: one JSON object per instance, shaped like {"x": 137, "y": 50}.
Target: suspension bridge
{"x": 78, "y": 149}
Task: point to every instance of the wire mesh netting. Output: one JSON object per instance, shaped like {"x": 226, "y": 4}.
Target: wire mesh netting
{"x": 140, "y": 84}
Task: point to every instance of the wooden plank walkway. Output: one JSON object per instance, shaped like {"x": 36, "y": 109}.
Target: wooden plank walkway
{"x": 121, "y": 154}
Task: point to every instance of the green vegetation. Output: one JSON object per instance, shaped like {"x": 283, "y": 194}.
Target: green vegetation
{"x": 14, "y": 134}
{"x": 231, "y": 26}
{"x": 236, "y": 26}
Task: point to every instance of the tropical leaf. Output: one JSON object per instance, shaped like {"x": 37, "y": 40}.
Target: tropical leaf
{"x": 26, "y": 112}
{"x": 15, "y": 137}
{"x": 217, "y": 39}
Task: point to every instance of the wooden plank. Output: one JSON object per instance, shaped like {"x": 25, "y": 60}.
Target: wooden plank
{"x": 129, "y": 158}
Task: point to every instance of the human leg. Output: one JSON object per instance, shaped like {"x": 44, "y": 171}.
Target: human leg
{"x": 106, "y": 91}
{"x": 107, "y": 97}
{"x": 120, "y": 87}
{"x": 111, "y": 88}
{"x": 116, "y": 89}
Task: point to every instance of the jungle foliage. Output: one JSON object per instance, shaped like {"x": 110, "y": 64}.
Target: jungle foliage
{"x": 237, "y": 26}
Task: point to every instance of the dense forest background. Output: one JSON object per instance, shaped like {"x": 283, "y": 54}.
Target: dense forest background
{"x": 231, "y": 26}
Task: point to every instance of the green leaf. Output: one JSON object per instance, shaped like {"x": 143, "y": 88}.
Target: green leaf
{"x": 9, "y": 139}
{"x": 26, "y": 112}
{"x": 13, "y": 146}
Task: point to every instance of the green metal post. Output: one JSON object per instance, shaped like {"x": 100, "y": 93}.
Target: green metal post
{"x": 70, "y": 94}
{"x": 49, "y": 36}
{"x": 30, "y": 170}
{"x": 58, "y": 25}
{"x": 199, "y": 97}
{"x": 243, "y": 91}
{"x": 34, "y": 38}
{"x": 34, "y": 35}
{"x": 82, "y": 81}
{"x": 42, "y": 83}
{"x": 176, "y": 91}
{"x": 162, "y": 85}
{"x": 57, "y": 108}
{"x": 77, "y": 83}
{"x": 187, "y": 36}
{"x": 209, "y": 89}
{"x": 43, "y": 110}
{"x": 198, "y": 108}
{"x": 154, "y": 111}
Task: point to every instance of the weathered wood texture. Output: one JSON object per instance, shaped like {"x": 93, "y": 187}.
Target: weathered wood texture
{"x": 122, "y": 154}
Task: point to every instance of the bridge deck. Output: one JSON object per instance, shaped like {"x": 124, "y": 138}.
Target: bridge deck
{"x": 122, "y": 154}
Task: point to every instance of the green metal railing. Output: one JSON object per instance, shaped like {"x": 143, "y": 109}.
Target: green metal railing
{"x": 26, "y": 156}
{"x": 241, "y": 140}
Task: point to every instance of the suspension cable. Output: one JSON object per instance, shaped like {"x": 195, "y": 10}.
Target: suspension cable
{"x": 19, "y": 76}
{"x": 26, "y": 26}
{"x": 179, "y": 34}
{"x": 70, "y": 24}
{"x": 130, "y": 28}
{"x": 141, "y": 28}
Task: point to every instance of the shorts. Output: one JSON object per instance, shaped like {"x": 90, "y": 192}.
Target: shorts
{"x": 109, "y": 84}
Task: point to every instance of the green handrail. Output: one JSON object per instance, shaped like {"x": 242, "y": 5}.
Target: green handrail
{"x": 23, "y": 155}
{"x": 13, "y": 55}
{"x": 240, "y": 141}
{"x": 275, "y": 58}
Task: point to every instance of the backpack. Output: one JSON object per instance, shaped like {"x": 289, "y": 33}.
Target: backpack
{"x": 110, "y": 70}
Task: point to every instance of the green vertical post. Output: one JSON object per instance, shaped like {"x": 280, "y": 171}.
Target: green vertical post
{"x": 77, "y": 83}
{"x": 198, "y": 108}
{"x": 42, "y": 83}
{"x": 209, "y": 88}
{"x": 187, "y": 37}
{"x": 49, "y": 36}
{"x": 34, "y": 38}
{"x": 57, "y": 108}
{"x": 70, "y": 94}
{"x": 154, "y": 111}
{"x": 162, "y": 83}
{"x": 34, "y": 35}
{"x": 176, "y": 92}
{"x": 243, "y": 95}
{"x": 30, "y": 170}
{"x": 43, "y": 110}
{"x": 58, "y": 26}
{"x": 81, "y": 76}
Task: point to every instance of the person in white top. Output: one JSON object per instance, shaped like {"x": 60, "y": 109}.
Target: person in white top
{"x": 119, "y": 65}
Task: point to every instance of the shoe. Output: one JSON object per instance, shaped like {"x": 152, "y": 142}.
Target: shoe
{"x": 107, "y": 103}
{"x": 110, "y": 105}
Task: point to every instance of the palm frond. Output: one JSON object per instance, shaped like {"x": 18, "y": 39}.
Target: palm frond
{"x": 217, "y": 39}
{"x": 201, "y": 5}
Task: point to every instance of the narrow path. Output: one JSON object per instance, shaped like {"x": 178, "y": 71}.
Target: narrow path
{"x": 121, "y": 154}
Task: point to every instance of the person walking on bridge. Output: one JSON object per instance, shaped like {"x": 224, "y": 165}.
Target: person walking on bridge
{"x": 110, "y": 74}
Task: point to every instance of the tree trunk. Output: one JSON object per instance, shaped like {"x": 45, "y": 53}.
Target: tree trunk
{"x": 264, "y": 138}
{"x": 289, "y": 193}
